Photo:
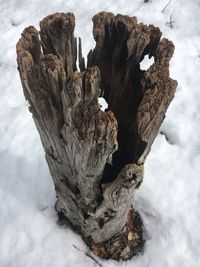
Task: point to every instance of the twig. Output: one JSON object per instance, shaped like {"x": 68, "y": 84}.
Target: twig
{"x": 89, "y": 255}
{"x": 170, "y": 22}
{"x": 166, "y": 6}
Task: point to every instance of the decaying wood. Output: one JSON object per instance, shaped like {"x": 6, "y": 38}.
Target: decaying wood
{"x": 96, "y": 158}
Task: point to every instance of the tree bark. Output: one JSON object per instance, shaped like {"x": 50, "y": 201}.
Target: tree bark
{"x": 96, "y": 158}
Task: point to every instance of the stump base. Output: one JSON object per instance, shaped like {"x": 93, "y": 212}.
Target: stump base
{"x": 122, "y": 246}
{"x": 125, "y": 245}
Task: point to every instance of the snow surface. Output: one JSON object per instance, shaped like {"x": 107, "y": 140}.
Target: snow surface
{"x": 169, "y": 197}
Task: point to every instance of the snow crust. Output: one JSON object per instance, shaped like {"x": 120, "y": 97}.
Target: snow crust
{"x": 169, "y": 197}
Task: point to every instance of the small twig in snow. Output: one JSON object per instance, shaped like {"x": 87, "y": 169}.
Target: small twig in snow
{"x": 166, "y": 6}
{"x": 89, "y": 255}
{"x": 170, "y": 22}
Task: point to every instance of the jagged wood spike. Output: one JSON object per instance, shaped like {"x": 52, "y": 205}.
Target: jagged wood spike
{"x": 96, "y": 158}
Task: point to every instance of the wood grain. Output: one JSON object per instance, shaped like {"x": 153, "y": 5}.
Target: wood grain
{"x": 96, "y": 158}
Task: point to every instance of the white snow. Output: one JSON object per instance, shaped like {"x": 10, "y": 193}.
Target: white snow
{"x": 146, "y": 62}
{"x": 103, "y": 104}
{"x": 169, "y": 197}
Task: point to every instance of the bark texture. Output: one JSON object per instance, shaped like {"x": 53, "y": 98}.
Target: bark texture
{"x": 96, "y": 158}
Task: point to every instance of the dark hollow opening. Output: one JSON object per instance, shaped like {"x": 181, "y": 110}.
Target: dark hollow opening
{"x": 121, "y": 88}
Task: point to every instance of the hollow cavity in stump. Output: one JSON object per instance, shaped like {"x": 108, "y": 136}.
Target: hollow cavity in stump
{"x": 96, "y": 158}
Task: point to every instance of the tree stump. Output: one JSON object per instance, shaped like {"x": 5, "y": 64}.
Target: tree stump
{"x": 96, "y": 158}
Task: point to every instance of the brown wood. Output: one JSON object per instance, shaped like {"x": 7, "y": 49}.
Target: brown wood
{"x": 96, "y": 158}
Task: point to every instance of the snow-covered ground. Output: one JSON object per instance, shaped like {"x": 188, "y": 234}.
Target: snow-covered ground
{"x": 169, "y": 198}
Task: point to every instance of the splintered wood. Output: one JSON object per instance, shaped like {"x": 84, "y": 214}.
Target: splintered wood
{"x": 96, "y": 158}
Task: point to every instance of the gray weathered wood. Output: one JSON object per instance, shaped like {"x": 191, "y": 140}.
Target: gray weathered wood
{"x": 96, "y": 158}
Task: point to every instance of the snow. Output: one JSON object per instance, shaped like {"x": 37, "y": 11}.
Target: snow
{"x": 146, "y": 63}
{"x": 169, "y": 197}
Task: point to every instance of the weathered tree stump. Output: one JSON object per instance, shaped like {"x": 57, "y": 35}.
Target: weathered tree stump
{"x": 96, "y": 158}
